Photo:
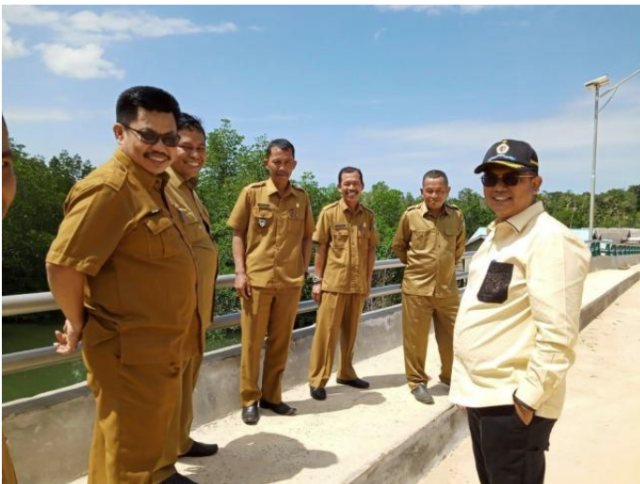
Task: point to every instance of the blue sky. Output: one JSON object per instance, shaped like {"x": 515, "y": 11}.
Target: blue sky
{"x": 393, "y": 90}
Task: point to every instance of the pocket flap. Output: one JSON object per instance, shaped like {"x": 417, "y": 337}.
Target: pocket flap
{"x": 158, "y": 224}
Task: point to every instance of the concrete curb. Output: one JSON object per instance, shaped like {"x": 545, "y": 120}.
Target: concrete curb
{"x": 599, "y": 304}
{"x": 424, "y": 449}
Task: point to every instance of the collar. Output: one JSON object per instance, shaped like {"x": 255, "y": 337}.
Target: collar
{"x": 424, "y": 210}
{"x": 178, "y": 180}
{"x": 148, "y": 180}
{"x": 345, "y": 208}
{"x": 520, "y": 220}
{"x": 271, "y": 188}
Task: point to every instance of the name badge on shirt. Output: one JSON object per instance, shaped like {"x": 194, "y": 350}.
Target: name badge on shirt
{"x": 340, "y": 226}
{"x": 264, "y": 206}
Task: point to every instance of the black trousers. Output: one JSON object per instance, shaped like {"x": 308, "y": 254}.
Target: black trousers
{"x": 507, "y": 451}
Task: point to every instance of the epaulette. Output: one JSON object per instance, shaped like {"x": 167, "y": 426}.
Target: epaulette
{"x": 257, "y": 184}
{"x": 451, "y": 205}
{"x": 300, "y": 189}
{"x": 413, "y": 207}
{"x": 331, "y": 205}
{"x": 367, "y": 209}
{"x": 115, "y": 178}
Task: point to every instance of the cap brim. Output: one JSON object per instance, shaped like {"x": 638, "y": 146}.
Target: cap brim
{"x": 483, "y": 166}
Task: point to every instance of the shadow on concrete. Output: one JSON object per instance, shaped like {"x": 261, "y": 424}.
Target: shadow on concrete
{"x": 259, "y": 459}
{"x": 386, "y": 381}
{"x": 336, "y": 401}
{"x": 439, "y": 390}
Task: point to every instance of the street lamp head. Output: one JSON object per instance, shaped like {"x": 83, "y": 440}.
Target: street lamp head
{"x": 597, "y": 82}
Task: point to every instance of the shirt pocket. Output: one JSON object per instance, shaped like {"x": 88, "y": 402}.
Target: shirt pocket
{"x": 262, "y": 220}
{"x": 162, "y": 237}
{"x": 339, "y": 239}
{"x": 420, "y": 239}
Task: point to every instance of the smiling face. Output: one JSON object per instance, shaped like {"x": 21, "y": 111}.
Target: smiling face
{"x": 154, "y": 158}
{"x": 435, "y": 192}
{"x": 350, "y": 187}
{"x": 192, "y": 153}
{"x": 507, "y": 201}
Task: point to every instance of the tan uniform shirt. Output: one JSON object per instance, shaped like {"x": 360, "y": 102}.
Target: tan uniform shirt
{"x": 273, "y": 229}
{"x": 430, "y": 247}
{"x": 141, "y": 275}
{"x": 197, "y": 223}
{"x": 519, "y": 319}
{"x": 349, "y": 238}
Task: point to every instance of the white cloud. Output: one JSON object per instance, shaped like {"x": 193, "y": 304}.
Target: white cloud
{"x": 11, "y": 49}
{"x": 79, "y": 63}
{"x": 29, "y": 15}
{"x": 36, "y": 115}
{"x": 436, "y": 9}
{"x": 563, "y": 142}
{"x": 77, "y": 47}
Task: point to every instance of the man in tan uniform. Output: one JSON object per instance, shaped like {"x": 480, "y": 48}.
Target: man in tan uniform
{"x": 430, "y": 240}
{"x": 122, "y": 271}
{"x": 8, "y": 194}
{"x": 347, "y": 238}
{"x": 183, "y": 178}
{"x": 272, "y": 227}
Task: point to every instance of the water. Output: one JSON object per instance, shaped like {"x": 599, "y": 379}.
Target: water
{"x": 38, "y": 332}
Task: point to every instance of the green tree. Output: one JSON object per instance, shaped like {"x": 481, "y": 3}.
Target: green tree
{"x": 475, "y": 211}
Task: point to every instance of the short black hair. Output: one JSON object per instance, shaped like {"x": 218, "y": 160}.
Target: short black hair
{"x": 436, "y": 174}
{"x": 350, "y": 169}
{"x": 190, "y": 122}
{"x": 145, "y": 97}
{"x": 283, "y": 144}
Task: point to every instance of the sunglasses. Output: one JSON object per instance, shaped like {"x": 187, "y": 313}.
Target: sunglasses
{"x": 151, "y": 137}
{"x": 510, "y": 179}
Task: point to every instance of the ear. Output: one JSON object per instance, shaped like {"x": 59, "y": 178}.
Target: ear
{"x": 295, "y": 163}
{"x": 118, "y": 132}
{"x": 537, "y": 182}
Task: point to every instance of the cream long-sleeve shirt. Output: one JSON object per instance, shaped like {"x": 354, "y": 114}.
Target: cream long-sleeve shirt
{"x": 519, "y": 316}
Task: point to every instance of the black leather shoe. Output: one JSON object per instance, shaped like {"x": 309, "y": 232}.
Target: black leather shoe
{"x": 357, "y": 383}
{"x": 422, "y": 394}
{"x": 200, "y": 449}
{"x": 251, "y": 414}
{"x": 318, "y": 393}
{"x": 178, "y": 479}
{"x": 279, "y": 408}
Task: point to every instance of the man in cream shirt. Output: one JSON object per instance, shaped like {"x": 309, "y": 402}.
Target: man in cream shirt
{"x": 518, "y": 322}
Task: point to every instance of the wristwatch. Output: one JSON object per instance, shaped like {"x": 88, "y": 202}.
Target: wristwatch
{"x": 315, "y": 279}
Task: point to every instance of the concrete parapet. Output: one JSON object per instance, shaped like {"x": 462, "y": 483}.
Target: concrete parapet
{"x": 50, "y": 434}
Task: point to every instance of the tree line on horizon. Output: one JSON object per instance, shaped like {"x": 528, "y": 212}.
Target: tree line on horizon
{"x": 231, "y": 164}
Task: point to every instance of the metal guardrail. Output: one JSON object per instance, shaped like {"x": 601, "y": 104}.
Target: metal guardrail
{"x": 607, "y": 247}
{"x": 44, "y": 301}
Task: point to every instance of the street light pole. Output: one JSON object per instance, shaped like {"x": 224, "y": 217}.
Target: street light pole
{"x": 592, "y": 198}
{"x": 596, "y": 84}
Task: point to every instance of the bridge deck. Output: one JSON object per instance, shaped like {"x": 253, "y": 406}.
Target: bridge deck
{"x": 384, "y": 435}
{"x": 598, "y": 436}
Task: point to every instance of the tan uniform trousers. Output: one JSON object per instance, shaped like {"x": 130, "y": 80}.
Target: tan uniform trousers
{"x": 417, "y": 312}
{"x": 270, "y": 312}
{"x": 136, "y": 429}
{"x": 338, "y": 313}
{"x": 190, "y": 372}
{"x": 8, "y": 472}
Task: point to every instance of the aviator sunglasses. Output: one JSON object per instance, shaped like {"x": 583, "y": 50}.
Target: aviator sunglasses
{"x": 151, "y": 137}
{"x": 510, "y": 179}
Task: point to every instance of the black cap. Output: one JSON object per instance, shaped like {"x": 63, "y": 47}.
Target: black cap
{"x": 515, "y": 154}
